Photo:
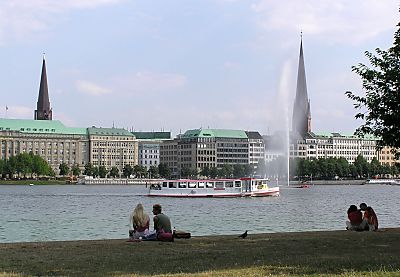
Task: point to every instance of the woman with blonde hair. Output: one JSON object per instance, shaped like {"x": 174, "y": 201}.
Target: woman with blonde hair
{"x": 140, "y": 222}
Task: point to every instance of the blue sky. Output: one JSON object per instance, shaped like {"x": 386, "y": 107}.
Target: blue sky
{"x": 177, "y": 65}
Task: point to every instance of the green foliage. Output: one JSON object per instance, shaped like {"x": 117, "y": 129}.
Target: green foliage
{"x": 139, "y": 171}
{"x": 102, "y": 171}
{"x": 127, "y": 171}
{"x": 164, "y": 170}
{"x": 88, "y": 169}
{"x": 339, "y": 167}
{"x": 213, "y": 172}
{"x": 76, "y": 171}
{"x": 114, "y": 172}
{"x": 96, "y": 171}
{"x": 64, "y": 169}
{"x": 187, "y": 172}
{"x": 24, "y": 164}
{"x": 205, "y": 171}
{"x": 153, "y": 172}
{"x": 379, "y": 108}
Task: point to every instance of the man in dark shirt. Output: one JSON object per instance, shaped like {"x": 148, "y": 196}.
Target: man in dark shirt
{"x": 161, "y": 221}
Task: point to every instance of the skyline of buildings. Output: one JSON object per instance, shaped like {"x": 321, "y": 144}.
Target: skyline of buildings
{"x": 194, "y": 149}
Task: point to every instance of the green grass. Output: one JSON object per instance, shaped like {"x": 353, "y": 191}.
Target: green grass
{"x": 336, "y": 253}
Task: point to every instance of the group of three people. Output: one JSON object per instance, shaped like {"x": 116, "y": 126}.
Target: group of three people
{"x": 363, "y": 219}
{"x": 140, "y": 222}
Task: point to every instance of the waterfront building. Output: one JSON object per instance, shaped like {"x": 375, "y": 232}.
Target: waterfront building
{"x": 43, "y": 111}
{"x": 169, "y": 155}
{"x": 199, "y": 148}
{"x": 112, "y": 147}
{"x": 149, "y": 147}
{"x": 256, "y": 148}
{"x": 386, "y": 157}
{"x": 50, "y": 139}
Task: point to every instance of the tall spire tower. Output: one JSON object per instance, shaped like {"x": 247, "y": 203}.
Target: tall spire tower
{"x": 301, "y": 122}
{"x": 43, "y": 111}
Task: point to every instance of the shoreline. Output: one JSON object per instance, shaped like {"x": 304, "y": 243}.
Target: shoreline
{"x": 336, "y": 253}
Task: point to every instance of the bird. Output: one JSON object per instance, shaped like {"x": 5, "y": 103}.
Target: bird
{"x": 244, "y": 235}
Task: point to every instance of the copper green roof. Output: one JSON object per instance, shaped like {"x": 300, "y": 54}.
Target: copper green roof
{"x": 109, "y": 132}
{"x": 217, "y": 133}
{"x": 152, "y": 135}
{"x": 335, "y": 134}
{"x": 39, "y": 126}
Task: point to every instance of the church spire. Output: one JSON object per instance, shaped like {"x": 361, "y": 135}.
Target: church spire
{"x": 301, "y": 122}
{"x": 43, "y": 111}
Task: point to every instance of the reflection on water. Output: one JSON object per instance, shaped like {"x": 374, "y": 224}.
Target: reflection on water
{"x": 71, "y": 212}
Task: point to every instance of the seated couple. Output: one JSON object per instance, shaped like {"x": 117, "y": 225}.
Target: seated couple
{"x": 359, "y": 221}
{"x": 140, "y": 222}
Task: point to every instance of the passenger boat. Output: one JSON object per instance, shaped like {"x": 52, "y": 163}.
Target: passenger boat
{"x": 382, "y": 182}
{"x": 241, "y": 187}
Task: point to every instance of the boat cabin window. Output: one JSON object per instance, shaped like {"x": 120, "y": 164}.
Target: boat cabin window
{"x": 209, "y": 184}
{"x": 200, "y": 185}
{"x": 165, "y": 184}
{"x": 172, "y": 185}
{"x": 229, "y": 184}
{"x": 182, "y": 185}
{"x": 192, "y": 185}
{"x": 238, "y": 184}
{"x": 219, "y": 185}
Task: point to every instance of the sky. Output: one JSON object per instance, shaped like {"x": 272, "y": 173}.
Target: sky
{"x": 168, "y": 65}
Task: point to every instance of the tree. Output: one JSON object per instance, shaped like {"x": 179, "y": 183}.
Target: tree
{"x": 95, "y": 171}
{"x": 64, "y": 169}
{"x": 102, "y": 171}
{"x": 88, "y": 169}
{"x": 164, "y": 170}
{"x": 238, "y": 171}
{"x": 205, "y": 171}
{"x": 128, "y": 170}
{"x": 153, "y": 171}
{"x": 76, "y": 170}
{"x": 381, "y": 102}
{"x": 40, "y": 166}
{"x": 114, "y": 172}
{"x": 186, "y": 172}
{"x": 213, "y": 172}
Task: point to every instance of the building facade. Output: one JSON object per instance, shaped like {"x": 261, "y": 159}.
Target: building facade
{"x": 112, "y": 147}
{"x": 54, "y": 142}
{"x": 149, "y": 147}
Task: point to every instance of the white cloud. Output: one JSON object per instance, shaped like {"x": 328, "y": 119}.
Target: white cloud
{"x": 24, "y": 19}
{"x": 339, "y": 21}
{"x": 91, "y": 88}
{"x": 145, "y": 81}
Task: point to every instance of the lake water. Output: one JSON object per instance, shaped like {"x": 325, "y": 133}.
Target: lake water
{"x": 73, "y": 212}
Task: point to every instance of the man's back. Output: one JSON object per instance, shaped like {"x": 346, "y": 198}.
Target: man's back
{"x": 163, "y": 222}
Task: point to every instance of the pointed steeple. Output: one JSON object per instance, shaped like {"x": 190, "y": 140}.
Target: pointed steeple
{"x": 301, "y": 122}
{"x": 43, "y": 111}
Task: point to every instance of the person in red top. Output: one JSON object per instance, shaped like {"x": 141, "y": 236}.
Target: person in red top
{"x": 355, "y": 218}
{"x": 370, "y": 220}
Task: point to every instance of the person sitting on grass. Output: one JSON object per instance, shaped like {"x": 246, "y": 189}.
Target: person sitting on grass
{"x": 162, "y": 224}
{"x": 140, "y": 222}
{"x": 370, "y": 220}
{"x": 355, "y": 218}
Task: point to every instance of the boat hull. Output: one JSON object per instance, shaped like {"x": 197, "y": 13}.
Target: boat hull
{"x": 195, "y": 193}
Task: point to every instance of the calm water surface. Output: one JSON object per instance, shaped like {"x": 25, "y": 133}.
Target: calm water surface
{"x": 71, "y": 212}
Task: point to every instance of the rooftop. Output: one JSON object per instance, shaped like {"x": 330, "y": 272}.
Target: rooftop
{"x": 39, "y": 126}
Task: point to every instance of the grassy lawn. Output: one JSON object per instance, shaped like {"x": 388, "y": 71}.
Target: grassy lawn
{"x": 334, "y": 253}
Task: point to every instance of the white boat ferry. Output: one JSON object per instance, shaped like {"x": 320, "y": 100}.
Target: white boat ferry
{"x": 383, "y": 182}
{"x": 213, "y": 188}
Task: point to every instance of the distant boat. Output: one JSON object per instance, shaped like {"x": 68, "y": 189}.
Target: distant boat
{"x": 31, "y": 184}
{"x": 382, "y": 182}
